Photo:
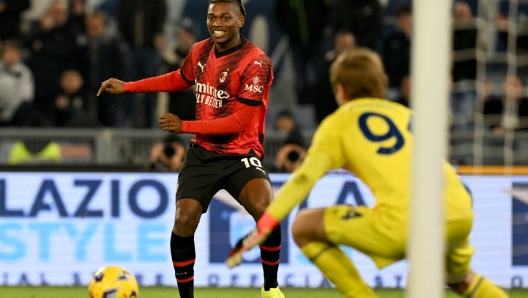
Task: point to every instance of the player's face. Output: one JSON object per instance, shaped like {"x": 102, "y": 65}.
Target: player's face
{"x": 224, "y": 22}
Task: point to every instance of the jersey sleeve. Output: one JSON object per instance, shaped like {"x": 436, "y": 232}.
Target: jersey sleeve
{"x": 327, "y": 141}
{"x": 172, "y": 81}
{"x": 324, "y": 154}
{"x": 237, "y": 122}
{"x": 180, "y": 79}
{"x": 254, "y": 80}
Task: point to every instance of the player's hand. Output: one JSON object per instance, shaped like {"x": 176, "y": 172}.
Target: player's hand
{"x": 113, "y": 86}
{"x": 171, "y": 122}
{"x": 265, "y": 226}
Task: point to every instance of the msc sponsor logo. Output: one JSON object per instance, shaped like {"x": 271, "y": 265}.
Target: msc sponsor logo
{"x": 254, "y": 88}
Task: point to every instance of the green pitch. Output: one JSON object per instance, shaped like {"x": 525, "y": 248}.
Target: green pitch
{"x": 167, "y": 292}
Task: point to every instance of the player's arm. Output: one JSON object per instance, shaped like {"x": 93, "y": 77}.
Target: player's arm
{"x": 172, "y": 81}
{"x": 180, "y": 79}
{"x": 237, "y": 122}
{"x": 168, "y": 82}
{"x": 257, "y": 75}
{"x": 297, "y": 188}
{"x": 291, "y": 194}
{"x": 325, "y": 154}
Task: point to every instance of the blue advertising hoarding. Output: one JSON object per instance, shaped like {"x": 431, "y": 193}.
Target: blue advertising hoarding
{"x": 59, "y": 228}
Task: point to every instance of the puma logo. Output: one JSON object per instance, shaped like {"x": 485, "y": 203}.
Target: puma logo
{"x": 201, "y": 66}
{"x": 259, "y": 63}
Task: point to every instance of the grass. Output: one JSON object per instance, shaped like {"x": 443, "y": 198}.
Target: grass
{"x": 166, "y": 292}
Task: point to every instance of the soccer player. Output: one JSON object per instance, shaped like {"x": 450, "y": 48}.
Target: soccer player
{"x": 370, "y": 137}
{"x": 232, "y": 78}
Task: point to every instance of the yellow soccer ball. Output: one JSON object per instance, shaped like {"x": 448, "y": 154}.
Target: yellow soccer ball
{"x": 113, "y": 282}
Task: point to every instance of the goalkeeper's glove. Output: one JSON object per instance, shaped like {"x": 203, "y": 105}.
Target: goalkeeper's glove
{"x": 265, "y": 225}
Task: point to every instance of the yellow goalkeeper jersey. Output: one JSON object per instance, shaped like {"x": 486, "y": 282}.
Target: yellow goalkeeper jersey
{"x": 372, "y": 139}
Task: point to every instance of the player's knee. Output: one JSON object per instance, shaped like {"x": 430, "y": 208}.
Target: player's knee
{"x": 185, "y": 226}
{"x": 256, "y": 205}
{"x": 256, "y": 197}
{"x": 260, "y": 203}
{"x": 186, "y": 222}
{"x": 300, "y": 233}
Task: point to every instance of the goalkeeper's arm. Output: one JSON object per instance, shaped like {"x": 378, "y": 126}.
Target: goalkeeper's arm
{"x": 297, "y": 188}
{"x": 294, "y": 191}
{"x": 291, "y": 194}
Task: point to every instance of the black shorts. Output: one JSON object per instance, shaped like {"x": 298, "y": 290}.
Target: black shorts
{"x": 204, "y": 173}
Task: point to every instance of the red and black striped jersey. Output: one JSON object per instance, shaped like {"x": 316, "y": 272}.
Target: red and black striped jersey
{"x": 239, "y": 76}
{"x": 232, "y": 89}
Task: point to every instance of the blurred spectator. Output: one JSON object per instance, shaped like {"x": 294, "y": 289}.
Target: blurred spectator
{"x": 292, "y": 152}
{"x": 397, "y": 47}
{"x": 71, "y": 101}
{"x": 77, "y": 11}
{"x": 103, "y": 55}
{"x": 405, "y": 92}
{"x": 304, "y": 22}
{"x": 52, "y": 45}
{"x": 510, "y": 110}
{"x": 167, "y": 155}
{"x": 10, "y": 11}
{"x": 322, "y": 93}
{"x": 391, "y": 5}
{"x": 464, "y": 43}
{"x": 17, "y": 87}
{"x": 140, "y": 22}
{"x": 285, "y": 121}
{"x": 109, "y": 7}
{"x": 364, "y": 18}
{"x": 519, "y": 21}
{"x": 183, "y": 102}
{"x": 464, "y": 67}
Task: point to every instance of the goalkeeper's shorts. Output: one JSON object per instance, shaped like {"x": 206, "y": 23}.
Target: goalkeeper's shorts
{"x": 382, "y": 235}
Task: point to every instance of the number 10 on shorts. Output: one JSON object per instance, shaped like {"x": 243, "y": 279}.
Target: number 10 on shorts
{"x": 253, "y": 161}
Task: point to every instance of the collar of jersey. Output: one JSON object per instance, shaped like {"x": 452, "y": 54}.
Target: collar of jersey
{"x": 231, "y": 50}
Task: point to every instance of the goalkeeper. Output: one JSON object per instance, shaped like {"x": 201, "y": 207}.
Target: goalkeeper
{"x": 370, "y": 137}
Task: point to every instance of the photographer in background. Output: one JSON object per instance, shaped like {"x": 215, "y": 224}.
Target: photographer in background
{"x": 167, "y": 155}
{"x": 292, "y": 153}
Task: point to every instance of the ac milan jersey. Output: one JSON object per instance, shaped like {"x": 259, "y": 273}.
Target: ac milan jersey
{"x": 239, "y": 76}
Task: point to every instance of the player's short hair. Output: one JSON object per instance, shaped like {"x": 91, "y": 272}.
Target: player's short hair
{"x": 237, "y": 2}
{"x": 361, "y": 74}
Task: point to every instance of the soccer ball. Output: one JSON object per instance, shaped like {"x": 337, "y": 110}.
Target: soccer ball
{"x": 113, "y": 282}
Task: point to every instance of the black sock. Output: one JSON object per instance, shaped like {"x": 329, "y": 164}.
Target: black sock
{"x": 270, "y": 253}
{"x": 183, "y": 256}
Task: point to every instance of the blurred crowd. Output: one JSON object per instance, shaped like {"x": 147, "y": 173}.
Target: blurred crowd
{"x": 52, "y": 65}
